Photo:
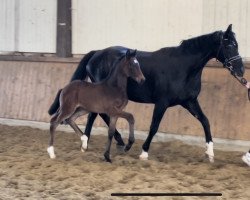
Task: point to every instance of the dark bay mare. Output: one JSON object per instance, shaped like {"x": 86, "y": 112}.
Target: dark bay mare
{"x": 173, "y": 77}
{"x": 108, "y": 96}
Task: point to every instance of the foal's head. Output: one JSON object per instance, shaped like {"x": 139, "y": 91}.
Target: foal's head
{"x": 132, "y": 67}
{"x": 228, "y": 53}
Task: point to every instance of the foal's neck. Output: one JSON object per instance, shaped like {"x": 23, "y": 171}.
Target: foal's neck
{"x": 118, "y": 78}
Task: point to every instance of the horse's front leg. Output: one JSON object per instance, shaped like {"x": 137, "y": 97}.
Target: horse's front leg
{"x": 194, "y": 108}
{"x": 158, "y": 113}
{"x": 111, "y": 131}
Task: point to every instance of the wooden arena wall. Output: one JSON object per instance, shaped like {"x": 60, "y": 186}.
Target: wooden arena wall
{"x": 28, "y": 88}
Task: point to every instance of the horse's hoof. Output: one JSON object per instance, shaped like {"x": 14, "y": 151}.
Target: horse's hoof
{"x": 52, "y": 156}
{"x": 144, "y": 155}
{"x": 82, "y": 150}
{"x": 127, "y": 148}
{"x": 210, "y": 152}
{"x": 210, "y": 158}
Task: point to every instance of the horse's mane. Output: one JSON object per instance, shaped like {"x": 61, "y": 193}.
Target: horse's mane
{"x": 203, "y": 41}
{"x": 116, "y": 62}
{"x": 196, "y": 43}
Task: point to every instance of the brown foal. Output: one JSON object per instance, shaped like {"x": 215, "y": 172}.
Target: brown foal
{"x": 109, "y": 97}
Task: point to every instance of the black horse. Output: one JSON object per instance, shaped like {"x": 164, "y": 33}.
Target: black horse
{"x": 173, "y": 77}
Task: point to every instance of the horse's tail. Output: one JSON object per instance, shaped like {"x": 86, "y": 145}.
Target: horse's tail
{"x": 79, "y": 74}
{"x": 55, "y": 105}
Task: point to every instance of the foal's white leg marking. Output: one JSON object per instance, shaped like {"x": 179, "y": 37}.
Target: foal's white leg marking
{"x": 51, "y": 152}
{"x": 84, "y": 139}
{"x": 210, "y": 151}
{"x": 144, "y": 155}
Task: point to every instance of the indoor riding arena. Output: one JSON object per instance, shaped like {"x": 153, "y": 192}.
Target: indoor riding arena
{"x": 41, "y": 46}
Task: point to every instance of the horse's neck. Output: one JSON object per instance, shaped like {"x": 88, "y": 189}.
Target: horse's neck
{"x": 203, "y": 49}
{"x": 118, "y": 79}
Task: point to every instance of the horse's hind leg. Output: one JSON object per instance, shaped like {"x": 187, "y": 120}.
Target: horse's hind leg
{"x": 111, "y": 131}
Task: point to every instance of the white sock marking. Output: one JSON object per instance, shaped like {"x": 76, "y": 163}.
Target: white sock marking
{"x": 144, "y": 155}
{"x": 51, "y": 152}
{"x": 210, "y": 151}
{"x": 84, "y": 139}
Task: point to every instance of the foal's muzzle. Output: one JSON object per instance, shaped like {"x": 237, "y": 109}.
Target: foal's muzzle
{"x": 140, "y": 80}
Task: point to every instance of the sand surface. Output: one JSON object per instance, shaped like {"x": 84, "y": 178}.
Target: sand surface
{"x": 26, "y": 171}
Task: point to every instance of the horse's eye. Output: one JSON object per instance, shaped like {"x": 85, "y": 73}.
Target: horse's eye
{"x": 234, "y": 44}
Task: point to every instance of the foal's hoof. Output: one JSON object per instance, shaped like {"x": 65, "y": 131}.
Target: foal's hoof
{"x": 107, "y": 158}
{"x": 51, "y": 152}
{"x": 84, "y": 140}
{"x": 120, "y": 148}
{"x": 144, "y": 155}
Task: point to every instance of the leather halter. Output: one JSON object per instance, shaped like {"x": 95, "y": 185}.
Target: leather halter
{"x": 227, "y": 61}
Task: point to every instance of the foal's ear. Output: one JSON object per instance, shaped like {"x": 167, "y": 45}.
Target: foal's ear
{"x": 130, "y": 54}
{"x": 133, "y": 53}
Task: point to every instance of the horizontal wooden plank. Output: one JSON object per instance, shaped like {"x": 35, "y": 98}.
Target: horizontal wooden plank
{"x": 28, "y": 88}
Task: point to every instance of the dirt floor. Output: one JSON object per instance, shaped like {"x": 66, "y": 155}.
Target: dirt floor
{"x": 26, "y": 171}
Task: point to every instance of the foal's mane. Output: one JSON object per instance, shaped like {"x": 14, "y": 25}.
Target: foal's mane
{"x": 117, "y": 61}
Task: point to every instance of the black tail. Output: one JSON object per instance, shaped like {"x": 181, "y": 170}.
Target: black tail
{"x": 55, "y": 105}
{"x": 79, "y": 74}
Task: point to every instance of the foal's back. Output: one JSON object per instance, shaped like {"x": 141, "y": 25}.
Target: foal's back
{"x": 93, "y": 97}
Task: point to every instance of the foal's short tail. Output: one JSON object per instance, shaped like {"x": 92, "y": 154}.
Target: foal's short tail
{"x": 55, "y": 105}
{"x": 79, "y": 74}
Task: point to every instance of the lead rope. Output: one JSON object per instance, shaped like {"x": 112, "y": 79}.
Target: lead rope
{"x": 245, "y": 83}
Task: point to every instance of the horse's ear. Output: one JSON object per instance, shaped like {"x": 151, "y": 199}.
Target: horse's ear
{"x": 128, "y": 54}
{"x": 133, "y": 53}
{"x": 229, "y": 29}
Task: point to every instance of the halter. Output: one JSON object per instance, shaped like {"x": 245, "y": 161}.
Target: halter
{"x": 228, "y": 64}
{"x": 227, "y": 61}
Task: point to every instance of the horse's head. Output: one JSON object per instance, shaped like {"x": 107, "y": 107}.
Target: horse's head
{"x": 228, "y": 54}
{"x": 133, "y": 68}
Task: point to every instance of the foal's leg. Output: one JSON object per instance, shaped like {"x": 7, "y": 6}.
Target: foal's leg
{"x": 53, "y": 125}
{"x": 54, "y": 122}
{"x": 194, "y": 108}
{"x": 89, "y": 124}
{"x": 130, "y": 118}
{"x": 158, "y": 113}
{"x": 71, "y": 122}
{"x": 111, "y": 131}
{"x": 117, "y": 135}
